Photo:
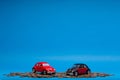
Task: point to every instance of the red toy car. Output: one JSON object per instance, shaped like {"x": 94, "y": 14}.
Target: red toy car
{"x": 78, "y": 69}
{"x": 44, "y": 68}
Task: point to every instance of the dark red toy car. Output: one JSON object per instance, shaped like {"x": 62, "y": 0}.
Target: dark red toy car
{"x": 78, "y": 69}
{"x": 44, "y": 68}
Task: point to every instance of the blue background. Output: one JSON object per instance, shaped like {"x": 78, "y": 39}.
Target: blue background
{"x": 61, "y": 32}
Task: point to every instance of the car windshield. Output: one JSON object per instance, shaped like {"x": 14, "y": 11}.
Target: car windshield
{"x": 46, "y": 64}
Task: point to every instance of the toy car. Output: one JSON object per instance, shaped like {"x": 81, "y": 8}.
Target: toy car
{"x": 44, "y": 68}
{"x": 78, "y": 69}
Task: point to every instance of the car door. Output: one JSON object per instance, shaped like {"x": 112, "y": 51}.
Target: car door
{"x": 40, "y": 67}
{"x": 82, "y": 69}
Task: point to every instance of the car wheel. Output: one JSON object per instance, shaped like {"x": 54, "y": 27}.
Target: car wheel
{"x": 44, "y": 72}
{"x": 54, "y": 73}
{"x": 66, "y": 74}
{"x": 33, "y": 70}
{"x": 75, "y": 73}
{"x": 88, "y": 71}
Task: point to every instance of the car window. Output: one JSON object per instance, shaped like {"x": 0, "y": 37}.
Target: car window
{"x": 46, "y": 65}
{"x": 85, "y": 66}
{"x": 81, "y": 66}
{"x": 37, "y": 64}
{"x": 77, "y": 66}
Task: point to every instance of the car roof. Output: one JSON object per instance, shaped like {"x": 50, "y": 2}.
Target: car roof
{"x": 42, "y": 63}
{"x": 79, "y": 64}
